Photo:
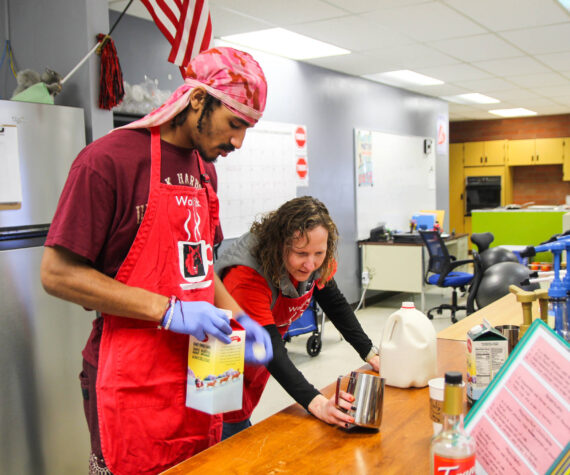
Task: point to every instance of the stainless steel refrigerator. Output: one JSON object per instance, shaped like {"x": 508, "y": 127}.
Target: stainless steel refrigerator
{"x": 42, "y": 426}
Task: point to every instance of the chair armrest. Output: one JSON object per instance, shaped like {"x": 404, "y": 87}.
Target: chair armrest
{"x": 456, "y": 263}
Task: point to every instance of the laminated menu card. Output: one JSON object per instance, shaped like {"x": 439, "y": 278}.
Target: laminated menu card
{"x": 521, "y": 424}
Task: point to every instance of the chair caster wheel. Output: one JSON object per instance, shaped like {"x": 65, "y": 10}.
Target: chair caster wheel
{"x": 430, "y": 316}
{"x": 453, "y": 319}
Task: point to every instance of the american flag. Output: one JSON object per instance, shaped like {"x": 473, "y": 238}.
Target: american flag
{"x": 186, "y": 24}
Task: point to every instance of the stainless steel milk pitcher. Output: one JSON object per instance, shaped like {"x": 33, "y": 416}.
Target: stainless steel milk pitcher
{"x": 368, "y": 391}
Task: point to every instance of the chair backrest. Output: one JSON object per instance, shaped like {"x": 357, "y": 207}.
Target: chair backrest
{"x": 482, "y": 241}
{"x": 439, "y": 257}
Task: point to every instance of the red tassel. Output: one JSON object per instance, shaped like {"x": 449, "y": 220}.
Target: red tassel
{"x": 111, "y": 91}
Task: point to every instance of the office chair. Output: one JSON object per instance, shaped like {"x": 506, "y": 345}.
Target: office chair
{"x": 440, "y": 272}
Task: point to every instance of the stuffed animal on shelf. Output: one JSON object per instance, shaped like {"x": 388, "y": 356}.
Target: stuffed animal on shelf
{"x": 27, "y": 78}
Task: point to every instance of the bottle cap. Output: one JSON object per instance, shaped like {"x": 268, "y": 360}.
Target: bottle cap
{"x": 453, "y": 377}
{"x": 408, "y": 305}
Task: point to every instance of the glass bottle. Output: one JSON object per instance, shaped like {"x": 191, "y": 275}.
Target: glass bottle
{"x": 452, "y": 450}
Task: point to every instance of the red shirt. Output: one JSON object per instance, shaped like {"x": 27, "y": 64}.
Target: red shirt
{"x": 104, "y": 199}
{"x": 251, "y": 290}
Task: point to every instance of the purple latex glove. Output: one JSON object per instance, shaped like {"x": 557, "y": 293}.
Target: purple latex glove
{"x": 197, "y": 319}
{"x": 258, "y": 348}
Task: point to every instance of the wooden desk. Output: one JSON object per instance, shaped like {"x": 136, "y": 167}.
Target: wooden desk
{"x": 293, "y": 441}
{"x": 401, "y": 267}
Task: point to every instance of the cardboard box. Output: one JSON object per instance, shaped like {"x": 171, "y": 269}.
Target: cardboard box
{"x": 487, "y": 350}
{"x": 215, "y": 373}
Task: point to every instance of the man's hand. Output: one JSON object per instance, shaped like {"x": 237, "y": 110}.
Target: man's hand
{"x": 197, "y": 319}
{"x": 258, "y": 347}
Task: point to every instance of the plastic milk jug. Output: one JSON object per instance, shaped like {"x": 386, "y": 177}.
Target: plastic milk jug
{"x": 408, "y": 348}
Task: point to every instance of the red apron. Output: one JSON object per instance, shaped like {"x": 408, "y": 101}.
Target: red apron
{"x": 285, "y": 311}
{"x": 145, "y": 426}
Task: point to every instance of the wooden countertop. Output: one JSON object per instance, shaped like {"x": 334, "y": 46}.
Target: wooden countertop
{"x": 292, "y": 441}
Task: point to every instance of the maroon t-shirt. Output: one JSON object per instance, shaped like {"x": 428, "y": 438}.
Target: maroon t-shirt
{"x": 104, "y": 199}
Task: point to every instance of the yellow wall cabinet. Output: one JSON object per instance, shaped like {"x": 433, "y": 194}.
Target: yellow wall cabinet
{"x": 488, "y": 153}
{"x": 566, "y": 160}
{"x": 535, "y": 152}
{"x": 457, "y": 188}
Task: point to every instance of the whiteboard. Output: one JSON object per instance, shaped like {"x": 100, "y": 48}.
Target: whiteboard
{"x": 257, "y": 178}
{"x": 395, "y": 179}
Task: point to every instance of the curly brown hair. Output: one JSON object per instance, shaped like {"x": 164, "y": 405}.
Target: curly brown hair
{"x": 277, "y": 229}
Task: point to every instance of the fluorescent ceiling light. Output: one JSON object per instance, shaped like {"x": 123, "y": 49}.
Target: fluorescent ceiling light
{"x": 405, "y": 77}
{"x": 565, "y": 4}
{"x": 471, "y": 98}
{"x": 283, "y": 42}
{"x": 517, "y": 112}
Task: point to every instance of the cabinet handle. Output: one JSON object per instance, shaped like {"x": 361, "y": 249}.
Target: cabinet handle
{"x": 485, "y": 159}
{"x": 532, "y": 158}
{"x": 481, "y": 160}
{"x": 537, "y": 157}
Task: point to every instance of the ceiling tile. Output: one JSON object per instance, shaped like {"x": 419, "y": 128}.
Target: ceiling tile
{"x": 281, "y": 13}
{"x": 500, "y": 15}
{"x": 226, "y": 22}
{"x": 563, "y": 100}
{"x": 355, "y": 63}
{"x": 477, "y": 48}
{"x": 360, "y": 6}
{"x": 514, "y": 94}
{"x": 541, "y": 40}
{"x": 512, "y": 66}
{"x": 557, "y": 61}
{"x": 485, "y": 85}
{"x": 353, "y": 33}
{"x": 554, "y": 109}
{"x": 553, "y": 91}
{"x": 455, "y": 73}
{"x": 537, "y": 80}
{"x": 412, "y": 56}
{"x": 428, "y": 21}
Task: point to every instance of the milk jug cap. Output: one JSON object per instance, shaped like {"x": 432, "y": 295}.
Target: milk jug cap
{"x": 408, "y": 305}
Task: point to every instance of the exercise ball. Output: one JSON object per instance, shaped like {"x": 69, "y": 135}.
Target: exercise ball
{"x": 497, "y": 278}
{"x": 494, "y": 255}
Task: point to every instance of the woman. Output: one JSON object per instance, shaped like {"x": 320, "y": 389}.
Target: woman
{"x": 272, "y": 272}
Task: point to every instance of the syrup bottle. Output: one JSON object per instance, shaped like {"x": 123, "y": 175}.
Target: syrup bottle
{"x": 452, "y": 450}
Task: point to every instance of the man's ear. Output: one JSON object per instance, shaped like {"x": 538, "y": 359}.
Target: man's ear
{"x": 197, "y": 98}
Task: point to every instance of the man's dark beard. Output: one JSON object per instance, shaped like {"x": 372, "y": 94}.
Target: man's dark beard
{"x": 208, "y": 159}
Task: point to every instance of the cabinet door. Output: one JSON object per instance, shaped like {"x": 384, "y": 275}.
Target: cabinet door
{"x": 456, "y": 188}
{"x": 495, "y": 152}
{"x": 549, "y": 151}
{"x": 474, "y": 154}
{"x": 566, "y": 162}
{"x": 521, "y": 152}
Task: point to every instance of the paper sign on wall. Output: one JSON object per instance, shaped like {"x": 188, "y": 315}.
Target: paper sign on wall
{"x": 10, "y": 181}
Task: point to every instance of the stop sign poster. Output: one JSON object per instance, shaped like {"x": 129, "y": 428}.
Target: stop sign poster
{"x": 301, "y": 161}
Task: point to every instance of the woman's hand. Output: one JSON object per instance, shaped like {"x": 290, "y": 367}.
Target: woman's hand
{"x": 375, "y": 363}
{"x": 326, "y": 410}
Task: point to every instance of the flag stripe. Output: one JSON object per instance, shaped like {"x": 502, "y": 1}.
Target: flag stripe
{"x": 189, "y": 47}
{"x": 164, "y": 18}
{"x": 186, "y": 24}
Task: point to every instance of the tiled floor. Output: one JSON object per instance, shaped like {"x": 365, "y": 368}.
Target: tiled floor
{"x": 337, "y": 357}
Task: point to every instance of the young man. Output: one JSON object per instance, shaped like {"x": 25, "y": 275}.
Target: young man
{"x": 132, "y": 238}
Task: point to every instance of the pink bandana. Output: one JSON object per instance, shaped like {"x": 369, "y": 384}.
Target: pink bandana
{"x": 230, "y": 75}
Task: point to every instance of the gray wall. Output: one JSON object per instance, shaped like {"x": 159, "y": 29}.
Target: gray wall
{"x": 58, "y": 33}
